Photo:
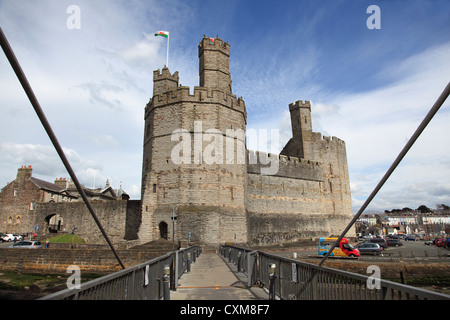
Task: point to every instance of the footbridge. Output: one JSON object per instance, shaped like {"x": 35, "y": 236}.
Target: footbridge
{"x": 237, "y": 273}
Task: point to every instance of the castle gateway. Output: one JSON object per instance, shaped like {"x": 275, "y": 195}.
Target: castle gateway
{"x": 199, "y": 182}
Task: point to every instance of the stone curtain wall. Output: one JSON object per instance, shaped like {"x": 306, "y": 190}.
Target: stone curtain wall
{"x": 58, "y": 260}
{"x": 112, "y": 215}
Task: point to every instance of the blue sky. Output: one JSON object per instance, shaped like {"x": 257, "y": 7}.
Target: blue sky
{"x": 370, "y": 88}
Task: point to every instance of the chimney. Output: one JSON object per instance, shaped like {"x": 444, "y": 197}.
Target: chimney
{"x": 23, "y": 174}
{"x": 62, "y": 182}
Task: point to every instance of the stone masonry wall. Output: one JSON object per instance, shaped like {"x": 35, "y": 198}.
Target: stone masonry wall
{"x": 112, "y": 215}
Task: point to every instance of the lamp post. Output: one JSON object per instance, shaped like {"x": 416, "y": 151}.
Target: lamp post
{"x": 173, "y": 225}
{"x": 73, "y": 234}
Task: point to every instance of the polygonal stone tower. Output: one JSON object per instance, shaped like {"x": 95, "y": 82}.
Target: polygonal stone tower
{"x": 193, "y": 161}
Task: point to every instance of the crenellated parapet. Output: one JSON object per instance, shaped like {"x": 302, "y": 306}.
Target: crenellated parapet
{"x": 300, "y": 104}
{"x": 327, "y": 141}
{"x": 201, "y": 95}
{"x": 214, "y": 44}
{"x": 164, "y": 81}
{"x": 283, "y": 166}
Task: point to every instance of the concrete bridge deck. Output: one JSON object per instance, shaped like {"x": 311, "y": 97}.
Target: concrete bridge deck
{"x": 213, "y": 278}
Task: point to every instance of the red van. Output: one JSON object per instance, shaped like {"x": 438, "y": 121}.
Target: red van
{"x": 345, "y": 248}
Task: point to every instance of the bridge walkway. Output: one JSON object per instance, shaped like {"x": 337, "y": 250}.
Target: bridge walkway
{"x": 213, "y": 278}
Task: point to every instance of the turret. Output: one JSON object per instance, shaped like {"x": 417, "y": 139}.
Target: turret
{"x": 164, "y": 81}
{"x": 301, "y": 130}
{"x": 214, "y": 68}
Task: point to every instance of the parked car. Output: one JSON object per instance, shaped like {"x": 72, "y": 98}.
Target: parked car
{"x": 393, "y": 243}
{"x": 369, "y": 248}
{"x": 441, "y": 243}
{"x": 409, "y": 238}
{"x": 27, "y": 245}
{"x": 8, "y": 237}
{"x": 18, "y": 237}
{"x": 381, "y": 242}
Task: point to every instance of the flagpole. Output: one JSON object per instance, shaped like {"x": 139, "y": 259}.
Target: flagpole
{"x": 167, "y": 56}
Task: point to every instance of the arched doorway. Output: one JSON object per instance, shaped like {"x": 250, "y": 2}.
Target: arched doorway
{"x": 163, "y": 230}
{"x": 54, "y": 223}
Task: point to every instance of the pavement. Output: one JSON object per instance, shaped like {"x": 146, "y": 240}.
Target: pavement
{"x": 213, "y": 278}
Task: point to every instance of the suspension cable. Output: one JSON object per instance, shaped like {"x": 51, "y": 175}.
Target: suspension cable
{"x": 40, "y": 113}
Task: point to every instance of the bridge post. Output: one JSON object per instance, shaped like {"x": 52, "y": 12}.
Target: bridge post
{"x": 239, "y": 256}
{"x": 188, "y": 269}
{"x": 251, "y": 267}
{"x": 166, "y": 282}
{"x": 272, "y": 278}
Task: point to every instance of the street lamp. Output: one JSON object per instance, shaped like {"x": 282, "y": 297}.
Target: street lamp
{"x": 173, "y": 225}
{"x": 73, "y": 234}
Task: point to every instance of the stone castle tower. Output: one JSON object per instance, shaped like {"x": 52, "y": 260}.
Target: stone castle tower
{"x": 207, "y": 199}
{"x": 196, "y": 167}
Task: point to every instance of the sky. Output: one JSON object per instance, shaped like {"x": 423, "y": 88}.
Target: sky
{"x": 92, "y": 72}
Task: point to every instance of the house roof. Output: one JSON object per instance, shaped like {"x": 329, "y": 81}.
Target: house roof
{"x": 48, "y": 186}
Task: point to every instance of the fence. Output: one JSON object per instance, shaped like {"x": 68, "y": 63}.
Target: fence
{"x": 146, "y": 281}
{"x": 290, "y": 279}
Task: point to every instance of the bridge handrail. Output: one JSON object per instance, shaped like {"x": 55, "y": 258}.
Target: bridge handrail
{"x": 321, "y": 283}
{"x": 139, "y": 282}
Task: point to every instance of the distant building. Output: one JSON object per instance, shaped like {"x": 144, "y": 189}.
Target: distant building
{"x": 19, "y": 200}
{"x": 404, "y": 222}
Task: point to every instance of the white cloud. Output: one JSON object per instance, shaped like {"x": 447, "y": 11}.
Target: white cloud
{"x": 377, "y": 124}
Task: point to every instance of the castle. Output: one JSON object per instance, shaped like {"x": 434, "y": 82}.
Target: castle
{"x": 199, "y": 182}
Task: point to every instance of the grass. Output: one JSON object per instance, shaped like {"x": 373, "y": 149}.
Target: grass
{"x": 12, "y": 280}
{"x": 66, "y": 238}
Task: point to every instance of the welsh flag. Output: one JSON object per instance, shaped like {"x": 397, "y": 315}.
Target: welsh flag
{"x": 164, "y": 34}
{"x": 211, "y": 40}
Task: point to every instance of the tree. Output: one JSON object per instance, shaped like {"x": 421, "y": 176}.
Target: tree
{"x": 423, "y": 209}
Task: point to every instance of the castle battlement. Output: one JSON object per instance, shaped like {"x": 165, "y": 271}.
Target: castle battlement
{"x": 261, "y": 157}
{"x": 218, "y": 44}
{"x": 319, "y": 138}
{"x": 201, "y": 95}
{"x": 299, "y": 104}
{"x": 289, "y": 167}
{"x": 164, "y": 74}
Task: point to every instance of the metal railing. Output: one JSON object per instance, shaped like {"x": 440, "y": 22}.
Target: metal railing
{"x": 150, "y": 280}
{"x": 290, "y": 279}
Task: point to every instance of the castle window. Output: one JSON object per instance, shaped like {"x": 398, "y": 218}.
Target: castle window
{"x": 10, "y": 220}
{"x": 18, "y": 219}
{"x": 154, "y": 188}
{"x": 32, "y": 205}
{"x": 16, "y": 192}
